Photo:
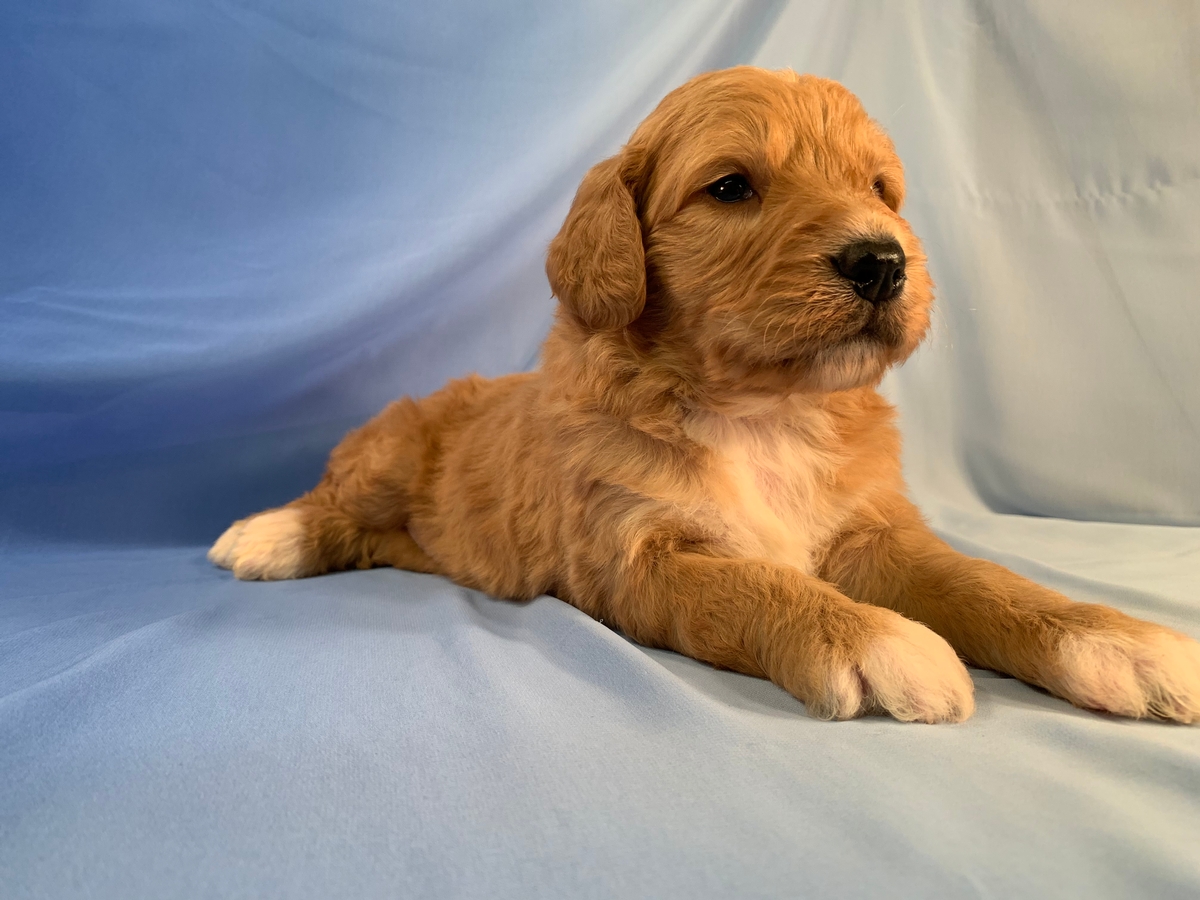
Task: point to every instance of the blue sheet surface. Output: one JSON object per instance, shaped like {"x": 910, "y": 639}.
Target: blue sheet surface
{"x": 231, "y": 230}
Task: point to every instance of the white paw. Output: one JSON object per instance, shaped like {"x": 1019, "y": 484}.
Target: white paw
{"x": 1153, "y": 673}
{"x": 909, "y": 673}
{"x": 267, "y": 547}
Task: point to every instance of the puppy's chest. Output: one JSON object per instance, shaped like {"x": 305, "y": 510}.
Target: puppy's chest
{"x": 772, "y": 489}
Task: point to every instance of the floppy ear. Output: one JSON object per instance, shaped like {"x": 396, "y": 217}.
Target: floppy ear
{"x": 596, "y": 264}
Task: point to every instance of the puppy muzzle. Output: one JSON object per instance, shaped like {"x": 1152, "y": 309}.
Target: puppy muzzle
{"x": 875, "y": 268}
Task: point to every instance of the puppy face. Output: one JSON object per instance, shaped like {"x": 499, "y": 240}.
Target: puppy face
{"x": 749, "y": 234}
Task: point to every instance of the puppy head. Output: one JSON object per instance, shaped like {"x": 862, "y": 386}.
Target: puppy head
{"x": 749, "y": 235}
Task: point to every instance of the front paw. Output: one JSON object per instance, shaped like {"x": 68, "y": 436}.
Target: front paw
{"x": 1139, "y": 670}
{"x": 904, "y": 670}
{"x": 267, "y": 547}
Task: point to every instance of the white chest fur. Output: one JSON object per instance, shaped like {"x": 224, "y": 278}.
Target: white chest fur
{"x": 773, "y": 483}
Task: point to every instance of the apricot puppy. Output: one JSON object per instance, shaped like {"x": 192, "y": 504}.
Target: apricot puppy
{"x": 702, "y": 459}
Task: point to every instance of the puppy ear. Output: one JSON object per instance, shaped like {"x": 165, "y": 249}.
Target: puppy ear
{"x": 596, "y": 264}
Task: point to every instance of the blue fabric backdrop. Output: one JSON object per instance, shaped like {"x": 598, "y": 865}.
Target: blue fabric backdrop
{"x": 231, "y": 230}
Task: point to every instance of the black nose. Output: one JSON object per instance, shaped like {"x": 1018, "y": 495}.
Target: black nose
{"x": 875, "y": 268}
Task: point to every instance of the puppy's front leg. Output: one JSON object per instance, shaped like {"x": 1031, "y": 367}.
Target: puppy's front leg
{"x": 840, "y": 657}
{"x": 1092, "y": 655}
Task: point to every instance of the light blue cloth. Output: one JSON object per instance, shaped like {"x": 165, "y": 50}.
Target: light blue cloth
{"x": 229, "y": 231}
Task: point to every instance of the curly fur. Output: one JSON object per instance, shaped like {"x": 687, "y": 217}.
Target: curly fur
{"x": 702, "y": 459}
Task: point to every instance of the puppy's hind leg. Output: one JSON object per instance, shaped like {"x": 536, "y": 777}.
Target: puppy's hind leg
{"x": 399, "y": 550}
{"x": 355, "y": 518}
{"x": 269, "y": 546}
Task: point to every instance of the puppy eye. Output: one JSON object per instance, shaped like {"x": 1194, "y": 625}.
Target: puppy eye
{"x": 731, "y": 189}
{"x": 877, "y": 187}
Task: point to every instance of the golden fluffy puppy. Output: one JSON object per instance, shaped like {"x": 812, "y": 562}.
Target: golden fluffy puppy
{"x": 702, "y": 459}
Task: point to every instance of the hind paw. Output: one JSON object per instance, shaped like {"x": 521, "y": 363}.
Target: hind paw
{"x": 268, "y": 547}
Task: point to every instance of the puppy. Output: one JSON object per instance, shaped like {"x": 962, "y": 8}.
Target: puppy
{"x": 702, "y": 459}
